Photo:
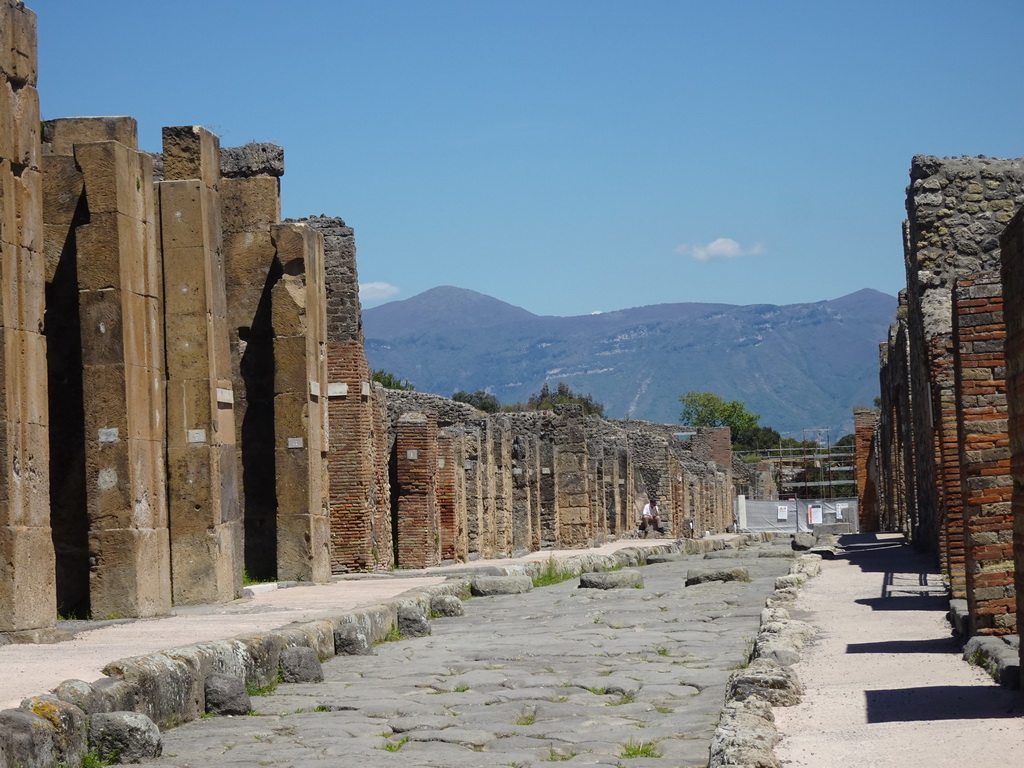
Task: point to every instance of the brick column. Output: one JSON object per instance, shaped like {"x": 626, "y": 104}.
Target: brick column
{"x": 865, "y": 421}
{"x": 1012, "y": 243}
{"x": 418, "y": 534}
{"x": 446, "y": 496}
{"x": 202, "y": 476}
{"x": 27, "y": 582}
{"x": 979, "y": 334}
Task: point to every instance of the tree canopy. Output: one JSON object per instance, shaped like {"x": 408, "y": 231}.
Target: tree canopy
{"x": 706, "y": 409}
{"x": 546, "y": 400}
{"x": 388, "y": 380}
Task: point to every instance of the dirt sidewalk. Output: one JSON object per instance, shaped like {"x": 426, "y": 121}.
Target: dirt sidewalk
{"x": 885, "y": 684}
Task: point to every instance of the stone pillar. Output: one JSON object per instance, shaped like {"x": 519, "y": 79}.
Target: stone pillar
{"x": 502, "y": 468}
{"x": 202, "y": 476}
{"x": 474, "y": 490}
{"x": 299, "y": 321}
{"x": 572, "y": 487}
{"x": 119, "y": 301}
{"x": 979, "y": 334}
{"x": 28, "y": 605}
{"x": 250, "y": 205}
{"x": 417, "y": 535}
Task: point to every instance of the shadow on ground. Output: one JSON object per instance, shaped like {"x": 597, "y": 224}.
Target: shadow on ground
{"x": 941, "y": 702}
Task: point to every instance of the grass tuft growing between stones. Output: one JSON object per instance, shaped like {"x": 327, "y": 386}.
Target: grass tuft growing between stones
{"x": 551, "y": 574}
{"x": 640, "y": 749}
{"x": 394, "y": 746}
{"x": 92, "y": 759}
{"x": 557, "y": 756}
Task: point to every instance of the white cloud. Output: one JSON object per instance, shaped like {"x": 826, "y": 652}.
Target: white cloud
{"x": 377, "y": 291}
{"x": 722, "y": 248}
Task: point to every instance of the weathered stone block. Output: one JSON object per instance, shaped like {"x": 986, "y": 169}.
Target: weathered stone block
{"x": 484, "y": 586}
{"x": 27, "y": 603}
{"x": 301, "y": 665}
{"x": 60, "y": 136}
{"x": 252, "y": 160}
{"x": 412, "y": 622}
{"x": 191, "y": 152}
{"x": 624, "y": 579}
{"x": 226, "y": 695}
{"x": 725, "y": 574}
{"x": 250, "y": 204}
{"x": 128, "y": 737}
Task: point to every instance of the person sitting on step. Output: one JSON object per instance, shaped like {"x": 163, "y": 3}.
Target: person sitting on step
{"x": 651, "y": 517}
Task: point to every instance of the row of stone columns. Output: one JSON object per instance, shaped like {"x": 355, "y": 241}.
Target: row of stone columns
{"x": 942, "y": 445}
{"x": 467, "y": 485}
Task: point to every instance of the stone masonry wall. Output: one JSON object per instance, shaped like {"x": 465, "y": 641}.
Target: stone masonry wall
{"x": 979, "y": 335}
{"x": 956, "y": 209}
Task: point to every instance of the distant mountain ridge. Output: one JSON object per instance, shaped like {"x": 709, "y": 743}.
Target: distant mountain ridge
{"x": 797, "y": 366}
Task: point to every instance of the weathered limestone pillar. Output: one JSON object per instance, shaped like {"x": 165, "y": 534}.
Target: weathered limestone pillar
{"x": 250, "y": 205}
{"x": 572, "y": 487}
{"x": 116, "y": 263}
{"x": 474, "y": 491}
{"x": 299, "y": 321}
{"x": 978, "y": 333}
{"x": 28, "y": 605}
{"x": 502, "y": 462}
{"x": 202, "y": 477}
{"x": 525, "y": 511}
{"x": 360, "y": 537}
{"x": 418, "y": 533}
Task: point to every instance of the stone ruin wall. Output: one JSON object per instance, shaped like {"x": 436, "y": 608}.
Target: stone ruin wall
{"x": 957, "y": 208}
{"x": 215, "y": 413}
{"x": 946, "y": 439}
{"x": 576, "y": 480}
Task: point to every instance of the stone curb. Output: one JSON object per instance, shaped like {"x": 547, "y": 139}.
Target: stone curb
{"x": 746, "y": 734}
{"x": 996, "y": 655}
{"x": 169, "y": 686}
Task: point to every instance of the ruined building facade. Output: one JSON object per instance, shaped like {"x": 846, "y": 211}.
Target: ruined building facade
{"x": 944, "y": 450}
{"x": 186, "y": 398}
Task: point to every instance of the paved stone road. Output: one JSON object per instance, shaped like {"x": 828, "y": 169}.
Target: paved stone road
{"x": 557, "y": 674}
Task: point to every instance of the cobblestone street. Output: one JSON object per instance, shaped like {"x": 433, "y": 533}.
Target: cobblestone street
{"x": 589, "y": 677}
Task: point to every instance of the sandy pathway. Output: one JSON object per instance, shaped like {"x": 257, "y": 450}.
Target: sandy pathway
{"x": 884, "y": 682}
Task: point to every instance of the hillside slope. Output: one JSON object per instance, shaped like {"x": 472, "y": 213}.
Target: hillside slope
{"x": 798, "y": 366}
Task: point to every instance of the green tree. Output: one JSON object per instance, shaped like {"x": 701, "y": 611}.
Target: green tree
{"x": 706, "y": 409}
{"x": 480, "y": 399}
{"x": 388, "y": 380}
{"x": 546, "y": 400}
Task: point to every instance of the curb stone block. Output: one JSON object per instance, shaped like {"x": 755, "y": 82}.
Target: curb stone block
{"x": 300, "y": 664}
{"x": 446, "y": 605}
{"x": 226, "y": 695}
{"x": 67, "y": 723}
{"x": 126, "y": 737}
{"x": 352, "y": 640}
{"x": 774, "y": 683}
{"x": 412, "y": 622}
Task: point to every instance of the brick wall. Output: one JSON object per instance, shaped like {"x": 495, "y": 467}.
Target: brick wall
{"x": 979, "y": 335}
{"x": 864, "y": 423}
{"x": 1013, "y": 309}
{"x": 418, "y": 534}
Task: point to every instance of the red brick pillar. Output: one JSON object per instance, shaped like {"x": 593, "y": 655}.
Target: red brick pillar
{"x": 1012, "y": 244}
{"x": 947, "y": 463}
{"x": 418, "y": 535}
{"x": 979, "y": 334}
{"x": 864, "y": 423}
{"x": 446, "y": 497}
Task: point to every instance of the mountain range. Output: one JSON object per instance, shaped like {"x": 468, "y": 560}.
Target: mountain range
{"x": 798, "y": 366}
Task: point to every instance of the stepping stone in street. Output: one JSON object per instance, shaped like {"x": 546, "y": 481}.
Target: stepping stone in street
{"x": 627, "y": 578}
{"x": 724, "y": 574}
{"x": 485, "y": 586}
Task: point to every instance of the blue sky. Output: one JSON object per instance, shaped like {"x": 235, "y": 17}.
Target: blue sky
{"x": 572, "y": 156}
